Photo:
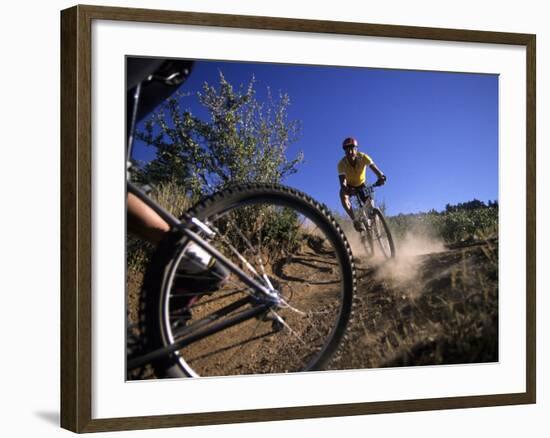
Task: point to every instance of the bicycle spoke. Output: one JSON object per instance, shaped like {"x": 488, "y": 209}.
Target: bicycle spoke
{"x": 249, "y": 245}
{"x": 235, "y": 252}
{"x": 282, "y": 321}
{"x": 230, "y": 347}
{"x": 217, "y": 297}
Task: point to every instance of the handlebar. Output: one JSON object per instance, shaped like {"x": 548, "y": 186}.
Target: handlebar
{"x": 368, "y": 189}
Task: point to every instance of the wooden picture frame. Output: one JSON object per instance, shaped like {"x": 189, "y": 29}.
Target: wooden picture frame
{"x": 76, "y": 217}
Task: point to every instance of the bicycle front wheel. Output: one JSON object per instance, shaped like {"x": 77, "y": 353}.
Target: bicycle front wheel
{"x": 287, "y": 242}
{"x": 382, "y": 235}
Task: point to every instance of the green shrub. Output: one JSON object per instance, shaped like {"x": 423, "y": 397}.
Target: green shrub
{"x": 451, "y": 227}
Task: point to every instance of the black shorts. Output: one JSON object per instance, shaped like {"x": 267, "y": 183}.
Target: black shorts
{"x": 359, "y": 192}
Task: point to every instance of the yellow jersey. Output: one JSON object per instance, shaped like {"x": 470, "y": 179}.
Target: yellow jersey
{"x": 355, "y": 174}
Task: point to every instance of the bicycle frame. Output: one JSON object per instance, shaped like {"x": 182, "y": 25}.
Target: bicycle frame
{"x": 365, "y": 207}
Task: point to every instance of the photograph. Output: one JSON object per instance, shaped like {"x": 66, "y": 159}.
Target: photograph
{"x": 269, "y": 218}
{"x": 283, "y": 218}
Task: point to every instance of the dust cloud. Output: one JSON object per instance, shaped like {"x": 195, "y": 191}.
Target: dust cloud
{"x": 414, "y": 244}
{"x": 411, "y": 245}
{"x": 403, "y": 271}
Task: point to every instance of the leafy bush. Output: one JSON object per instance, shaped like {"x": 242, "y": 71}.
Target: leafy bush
{"x": 241, "y": 140}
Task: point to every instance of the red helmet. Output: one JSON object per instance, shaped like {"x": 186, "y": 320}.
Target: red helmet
{"x": 349, "y": 142}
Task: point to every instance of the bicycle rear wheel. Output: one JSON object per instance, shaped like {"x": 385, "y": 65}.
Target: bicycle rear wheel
{"x": 281, "y": 238}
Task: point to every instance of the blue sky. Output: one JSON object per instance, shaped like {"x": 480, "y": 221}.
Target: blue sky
{"x": 434, "y": 134}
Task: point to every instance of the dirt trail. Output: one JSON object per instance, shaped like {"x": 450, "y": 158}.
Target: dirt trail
{"x": 431, "y": 305}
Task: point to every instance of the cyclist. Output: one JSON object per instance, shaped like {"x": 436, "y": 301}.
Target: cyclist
{"x": 352, "y": 171}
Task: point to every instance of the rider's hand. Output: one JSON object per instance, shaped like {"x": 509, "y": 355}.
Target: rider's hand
{"x": 381, "y": 181}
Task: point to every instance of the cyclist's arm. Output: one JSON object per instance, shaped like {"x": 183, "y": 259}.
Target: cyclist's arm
{"x": 379, "y": 174}
{"x": 342, "y": 176}
{"x": 344, "y": 196}
{"x": 343, "y": 181}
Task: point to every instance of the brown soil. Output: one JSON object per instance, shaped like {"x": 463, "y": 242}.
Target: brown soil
{"x": 434, "y": 308}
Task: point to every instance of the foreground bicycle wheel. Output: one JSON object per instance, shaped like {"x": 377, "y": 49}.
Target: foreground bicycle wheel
{"x": 284, "y": 240}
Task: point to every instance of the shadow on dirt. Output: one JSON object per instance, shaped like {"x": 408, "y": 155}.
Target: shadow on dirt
{"x": 310, "y": 263}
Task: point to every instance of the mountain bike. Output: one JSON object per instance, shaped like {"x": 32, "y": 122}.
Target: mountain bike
{"x": 283, "y": 303}
{"x": 374, "y": 226}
